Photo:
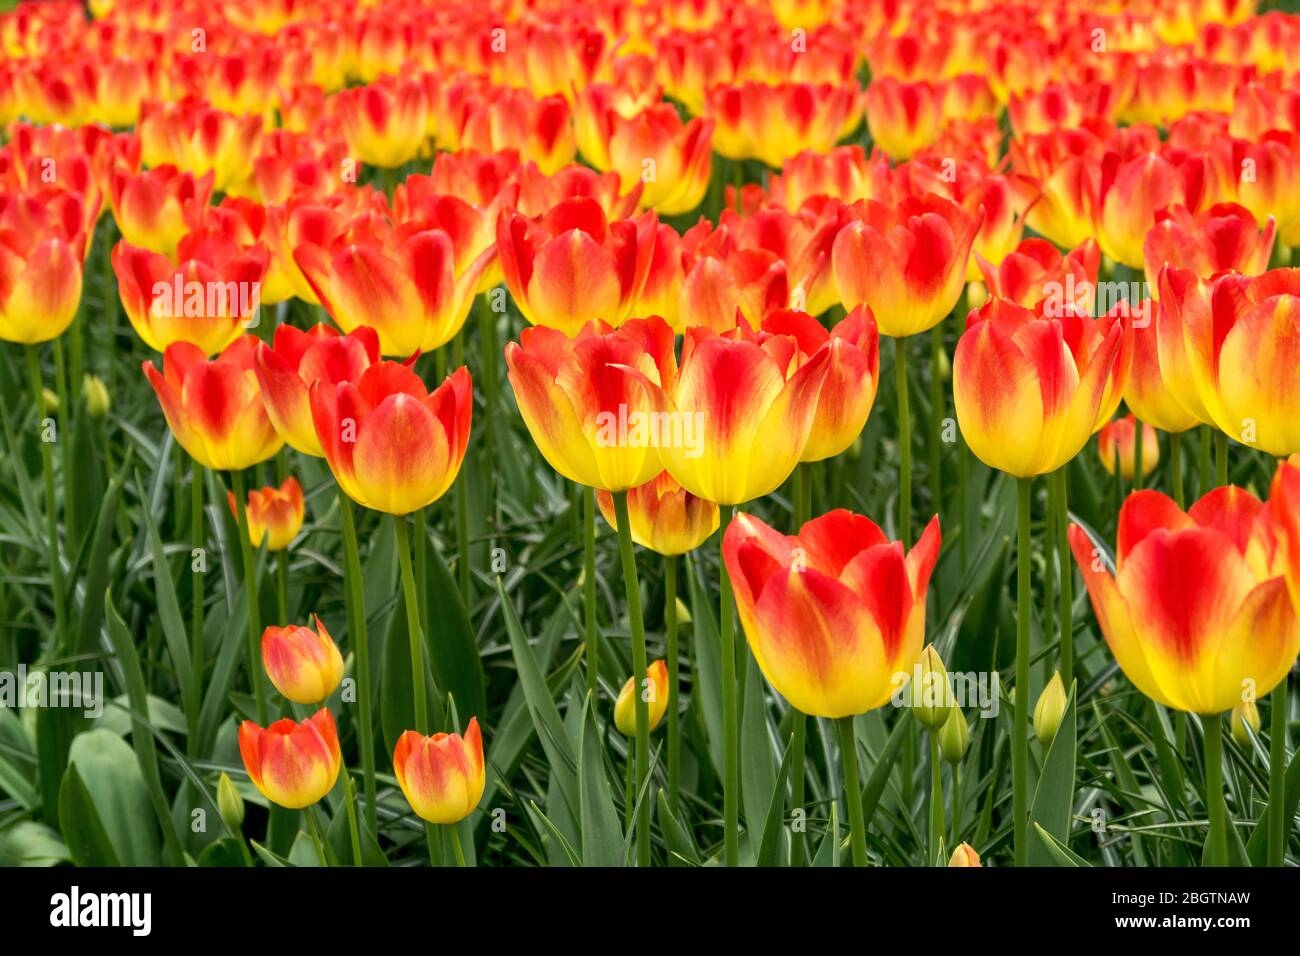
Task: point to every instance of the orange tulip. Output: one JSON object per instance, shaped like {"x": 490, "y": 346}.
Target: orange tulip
{"x": 751, "y": 407}
{"x": 274, "y": 514}
{"x": 1273, "y": 189}
{"x": 1197, "y": 613}
{"x": 907, "y": 263}
{"x": 593, "y": 403}
{"x": 665, "y": 517}
{"x": 392, "y": 445}
{"x": 472, "y": 228}
{"x": 1035, "y": 271}
{"x": 384, "y": 122}
{"x": 1030, "y": 391}
{"x": 965, "y": 856}
{"x": 304, "y": 665}
{"x": 835, "y": 615}
{"x": 1130, "y": 194}
{"x": 153, "y": 207}
{"x": 214, "y": 407}
{"x": 442, "y": 776}
{"x": 844, "y": 173}
{"x": 40, "y": 266}
{"x": 1118, "y": 439}
{"x": 904, "y": 117}
{"x": 772, "y": 122}
{"x": 1147, "y": 394}
{"x": 1219, "y": 239}
{"x": 200, "y": 139}
{"x": 669, "y": 158}
{"x": 1063, "y": 167}
{"x": 539, "y": 192}
{"x": 572, "y": 265}
{"x": 655, "y": 691}
{"x": 292, "y": 764}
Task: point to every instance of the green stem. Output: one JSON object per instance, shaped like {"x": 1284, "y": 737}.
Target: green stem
{"x": 323, "y": 852}
{"x": 1138, "y": 441}
{"x": 1214, "y": 790}
{"x": 198, "y": 539}
{"x": 956, "y": 804}
{"x": 1220, "y": 459}
{"x": 421, "y": 566}
{"x": 591, "y": 636}
{"x": 674, "y": 682}
{"x": 936, "y": 798}
{"x": 282, "y": 585}
{"x": 932, "y": 442}
{"x": 463, "y": 578}
{"x": 1020, "y": 729}
{"x": 963, "y": 509}
{"x": 852, "y": 789}
{"x": 354, "y": 830}
{"x": 639, "y": 667}
{"x": 356, "y": 607}
{"x": 71, "y": 511}
{"x": 51, "y": 508}
{"x": 413, "y": 630}
{"x": 1062, "y": 521}
{"x": 798, "y": 750}
{"x": 456, "y": 851}
{"x": 1203, "y": 461}
{"x": 1176, "y": 466}
{"x": 1278, "y": 707}
{"x": 904, "y": 446}
{"x": 1049, "y": 571}
{"x": 730, "y": 714}
{"x": 488, "y": 359}
{"x": 250, "y": 585}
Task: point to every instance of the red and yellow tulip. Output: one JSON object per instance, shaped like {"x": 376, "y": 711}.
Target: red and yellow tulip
{"x": 654, "y": 690}
{"x": 275, "y": 515}
{"x": 1117, "y": 441}
{"x": 292, "y": 764}
{"x": 304, "y": 665}
{"x": 665, "y": 517}
{"x": 442, "y": 776}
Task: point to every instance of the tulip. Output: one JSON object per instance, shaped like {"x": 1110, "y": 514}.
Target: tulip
{"x": 442, "y": 776}
{"x": 930, "y": 692}
{"x": 402, "y": 282}
{"x": 1131, "y": 193}
{"x": 1246, "y": 712}
{"x": 96, "y": 395}
{"x": 287, "y": 370}
{"x": 1049, "y": 710}
{"x": 964, "y": 855}
{"x": 539, "y": 192}
{"x": 1064, "y": 168}
{"x": 40, "y": 267}
{"x": 153, "y": 207}
{"x": 1196, "y": 610}
{"x": 852, "y": 375}
{"x": 208, "y": 300}
{"x": 904, "y": 117}
{"x": 802, "y": 241}
{"x": 717, "y": 288}
{"x": 1028, "y": 391}
{"x": 304, "y": 665}
{"x": 1147, "y": 393}
{"x": 665, "y": 517}
{"x": 214, "y": 407}
{"x": 907, "y": 263}
{"x": 654, "y": 690}
{"x": 384, "y": 122}
{"x": 1221, "y": 238}
{"x": 752, "y": 407}
{"x": 844, "y": 173}
{"x": 274, "y": 514}
{"x": 1035, "y": 272}
{"x": 392, "y": 445}
{"x": 572, "y": 266}
{"x": 954, "y": 736}
{"x": 229, "y": 803}
{"x": 539, "y": 129}
{"x": 201, "y": 139}
{"x": 472, "y": 229}
{"x": 1118, "y": 440}
{"x": 670, "y": 159}
{"x": 292, "y": 764}
{"x": 1273, "y": 191}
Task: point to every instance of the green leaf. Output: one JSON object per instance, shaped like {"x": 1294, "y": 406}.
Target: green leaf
{"x": 602, "y": 835}
{"x": 681, "y": 849}
{"x": 83, "y": 832}
{"x": 14, "y": 779}
{"x": 224, "y": 852}
{"x": 770, "y": 847}
{"x": 28, "y": 843}
{"x": 828, "y": 853}
{"x": 708, "y": 664}
{"x": 757, "y": 761}
{"x": 111, "y": 776}
{"x": 1053, "y": 801}
{"x": 453, "y": 647}
{"x": 97, "y": 563}
{"x": 1060, "y": 854}
{"x": 267, "y": 857}
{"x": 543, "y": 822}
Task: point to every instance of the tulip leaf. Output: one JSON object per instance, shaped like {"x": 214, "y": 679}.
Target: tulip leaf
{"x": 543, "y": 822}
{"x": 28, "y": 843}
{"x": 1257, "y": 846}
{"x": 83, "y": 832}
{"x": 771, "y": 845}
{"x": 453, "y": 647}
{"x": 14, "y": 780}
{"x": 681, "y": 849}
{"x": 708, "y": 666}
{"x": 1060, "y": 854}
{"x": 97, "y": 563}
{"x": 1053, "y": 802}
{"x": 828, "y": 853}
{"x": 881, "y": 769}
{"x": 267, "y": 857}
{"x": 111, "y": 777}
{"x": 224, "y": 852}
{"x": 602, "y": 835}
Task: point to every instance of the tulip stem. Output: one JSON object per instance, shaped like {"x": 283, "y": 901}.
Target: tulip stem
{"x": 198, "y": 539}
{"x": 639, "y": 667}
{"x": 282, "y": 585}
{"x": 1138, "y": 451}
{"x": 1278, "y": 707}
{"x": 932, "y": 440}
{"x": 1213, "y": 725}
{"x": 904, "y": 446}
{"x": 250, "y": 585}
{"x": 1203, "y": 462}
{"x": 674, "y": 682}
{"x": 453, "y": 830}
{"x": 51, "y": 514}
{"x": 354, "y": 831}
{"x": 936, "y": 798}
{"x": 798, "y": 721}
{"x": 1020, "y": 729}
{"x": 1062, "y": 521}
{"x": 852, "y": 789}
{"x": 730, "y": 716}
{"x": 1176, "y": 467}
{"x": 463, "y": 578}
{"x": 413, "y": 629}
{"x": 956, "y": 803}
{"x": 421, "y": 566}
{"x": 1220, "y": 459}
{"x": 592, "y": 635}
{"x": 356, "y": 608}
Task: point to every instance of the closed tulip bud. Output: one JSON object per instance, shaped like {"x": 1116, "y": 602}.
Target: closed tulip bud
{"x": 1118, "y": 439}
{"x": 931, "y": 695}
{"x": 1244, "y": 713}
{"x": 1198, "y": 606}
{"x": 1049, "y": 710}
{"x": 304, "y": 665}
{"x": 96, "y": 394}
{"x": 442, "y": 776}
{"x": 274, "y": 514}
{"x": 229, "y": 803}
{"x": 50, "y": 401}
{"x": 292, "y": 764}
{"x": 665, "y": 517}
{"x": 833, "y": 614}
{"x": 964, "y": 855}
{"x": 683, "y": 613}
{"x": 653, "y": 690}
{"x": 954, "y": 736}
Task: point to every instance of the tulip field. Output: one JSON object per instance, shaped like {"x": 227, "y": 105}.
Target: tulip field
{"x": 673, "y": 433}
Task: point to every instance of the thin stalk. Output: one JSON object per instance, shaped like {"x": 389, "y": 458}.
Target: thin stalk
{"x": 282, "y": 585}
{"x": 421, "y": 565}
{"x": 309, "y": 815}
{"x": 51, "y": 510}
{"x": 198, "y": 539}
{"x": 904, "y": 446}
{"x": 1176, "y": 466}
{"x": 1220, "y": 459}
{"x": 730, "y": 713}
{"x": 967, "y": 525}
{"x": 1062, "y": 521}
{"x": 1020, "y": 729}
{"x": 591, "y": 636}
{"x": 488, "y": 358}
{"x": 1278, "y": 708}
{"x": 852, "y": 790}
{"x": 1049, "y": 571}
{"x": 956, "y": 804}
{"x": 932, "y": 443}
{"x": 461, "y": 492}
{"x": 674, "y": 682}
{"x": 1214, "y": 789}
{"x": 250, "y": 585}
{"x": 1138, "y": 441}
{"x": 456, "y": 851}
{"x": 70, "y": 510}
{"x": 413, "y": 630}
{"x": 639, "y": 666}
{"x": 1203, "y": 461}
{"x": 356, "y": 607}
{"x": 354, "y": 830}
{"x": 798, "y": 720}
{"x": 936, "y": 798}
